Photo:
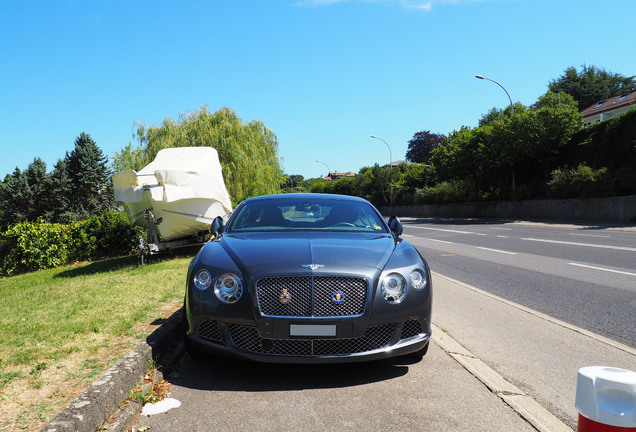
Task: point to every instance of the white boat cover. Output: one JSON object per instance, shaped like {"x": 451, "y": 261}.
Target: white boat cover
{"x": 184, "y": 186}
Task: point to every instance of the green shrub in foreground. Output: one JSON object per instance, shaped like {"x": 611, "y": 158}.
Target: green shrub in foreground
{"x": 33, "y": 246}
{"x": 30, "y": 246}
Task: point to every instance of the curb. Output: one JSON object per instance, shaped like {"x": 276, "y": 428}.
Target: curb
{"x": 526, "y": 407}
{"x": 102, "y": 398}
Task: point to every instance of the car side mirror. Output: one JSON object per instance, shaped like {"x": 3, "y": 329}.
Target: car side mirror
{"x": 216, "y": 228}
{"x": 395, "y": 226}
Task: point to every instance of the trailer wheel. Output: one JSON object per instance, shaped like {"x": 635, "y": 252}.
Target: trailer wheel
{"x": 143, "y": 249}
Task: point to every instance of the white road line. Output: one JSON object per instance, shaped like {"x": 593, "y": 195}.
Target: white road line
{"x": 497, "y": 250}
{"x": 502, "y": 236}
{"x": 590, "y": 235}
{"x": 407, "y": 235}
{"x": 582, "y": 244}
{"x": 440, "y": 241}
{"x": 603, "y": 269}
{"x": 498, "y": 228}
{"x": 441, "y": 229}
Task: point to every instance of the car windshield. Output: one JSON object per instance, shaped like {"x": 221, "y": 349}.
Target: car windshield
{"x": 306, "y": 214}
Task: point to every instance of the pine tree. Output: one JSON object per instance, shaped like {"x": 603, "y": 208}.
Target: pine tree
{"x": 90, "y": 184}
{"x": 38, "y": 193}
{"x": 14, "y": 190}
{"x": 60, "y": 193}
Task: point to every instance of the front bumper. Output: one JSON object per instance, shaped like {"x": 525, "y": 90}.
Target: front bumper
{"x": 243, "y": 341}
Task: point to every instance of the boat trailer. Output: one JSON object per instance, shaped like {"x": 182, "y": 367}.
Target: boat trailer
{"x": 151, "y": 245}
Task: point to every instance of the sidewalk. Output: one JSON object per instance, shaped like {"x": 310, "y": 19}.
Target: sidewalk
{"x": 539, "y": 355}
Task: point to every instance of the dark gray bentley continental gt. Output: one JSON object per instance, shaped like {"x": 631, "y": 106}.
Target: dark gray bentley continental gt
{"x": 308, "y": 278}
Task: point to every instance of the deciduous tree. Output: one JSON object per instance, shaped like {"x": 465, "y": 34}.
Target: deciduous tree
{"x": 591, "y": 84}
{"x": 248, "y": 152}
{"x": 421, "y": 146}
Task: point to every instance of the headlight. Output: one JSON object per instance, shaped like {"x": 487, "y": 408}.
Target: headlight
{"x": 418, "y": 279}
{"x": 393, "y": 288}
{"x": 228, "y": 288}
{"x": 202, "y": 279}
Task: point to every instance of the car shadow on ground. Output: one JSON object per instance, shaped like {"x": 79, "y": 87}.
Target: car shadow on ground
{"x": 218, "y": 374}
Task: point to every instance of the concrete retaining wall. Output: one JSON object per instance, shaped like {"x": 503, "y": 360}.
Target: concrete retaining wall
{"x": 615, "y": 209}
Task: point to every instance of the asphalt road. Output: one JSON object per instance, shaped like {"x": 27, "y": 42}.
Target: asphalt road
{"x": 583, "y": 275}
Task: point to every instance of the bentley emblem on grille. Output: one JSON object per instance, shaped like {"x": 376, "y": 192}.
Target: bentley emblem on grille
{"x": 312, "y": 266}
{"x": 338, "y": 297}
{"x": 285, "y": 296}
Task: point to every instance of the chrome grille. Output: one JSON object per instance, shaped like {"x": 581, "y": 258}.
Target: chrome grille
{"x": 311, "y": 296}
{"x": 247, "y": 338}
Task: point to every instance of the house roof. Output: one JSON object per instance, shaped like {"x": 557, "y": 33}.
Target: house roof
{"x": 628, "y": 98}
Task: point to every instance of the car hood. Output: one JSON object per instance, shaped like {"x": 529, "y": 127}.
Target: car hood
{"x": 278, "y": 251}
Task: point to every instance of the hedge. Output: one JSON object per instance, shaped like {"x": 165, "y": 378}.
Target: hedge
{"x": 30, "y": 246}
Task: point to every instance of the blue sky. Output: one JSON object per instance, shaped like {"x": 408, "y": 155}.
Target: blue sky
{"x": 324, "y": 75}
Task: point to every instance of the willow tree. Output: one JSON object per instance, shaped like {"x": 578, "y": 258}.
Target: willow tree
{"x": 248, "y": 152}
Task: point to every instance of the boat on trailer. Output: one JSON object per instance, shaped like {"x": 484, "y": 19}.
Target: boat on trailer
{"x": 176, "y": 197}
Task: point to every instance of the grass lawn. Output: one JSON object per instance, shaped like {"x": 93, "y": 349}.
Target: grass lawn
{"x": 62, "y": 328}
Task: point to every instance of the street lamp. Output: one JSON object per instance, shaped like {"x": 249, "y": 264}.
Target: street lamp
{"x": 481, "y": 77}
{"x": 319, "y": 161}
{"x": 390, "y": 167}
{"x": 512, "y": 111}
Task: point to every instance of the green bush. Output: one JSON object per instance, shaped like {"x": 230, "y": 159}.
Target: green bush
{"x": 449, "y": 192}
{"x": 106, "y": 235}
{"x": 580, "y": 182}
{"x": 33, "y": 246}
{"x": 30, "y": 246}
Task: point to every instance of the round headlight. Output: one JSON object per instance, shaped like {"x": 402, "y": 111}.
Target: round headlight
{"x": 228, "y": 288}
{"x": 418, "y": 279}
{"x": 393, "y": 288}
{"x": 202, "y": 279}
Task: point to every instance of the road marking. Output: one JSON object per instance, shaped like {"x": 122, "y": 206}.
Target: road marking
{"x": 603, "y": 269}
{"x": 407, "y": 235}
{"x": 497, "y": 250}
{"x": 590, "y": 235}
{"x": 502, "y": 236}
{"x": 441, "y": 241}
{"x": 444, "y": 230}
{"x": 581, "y": 244}
{"x": 498, "y": 228}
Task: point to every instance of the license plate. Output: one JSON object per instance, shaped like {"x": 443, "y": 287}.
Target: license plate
{"x": 312, "y": 330}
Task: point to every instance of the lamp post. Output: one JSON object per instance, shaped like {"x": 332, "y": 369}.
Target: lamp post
{"x": 512, "y": 111}
{"x": 319, "y": 161}
{"x": 481, "y": 77}
{"x": 390, "y": 167}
